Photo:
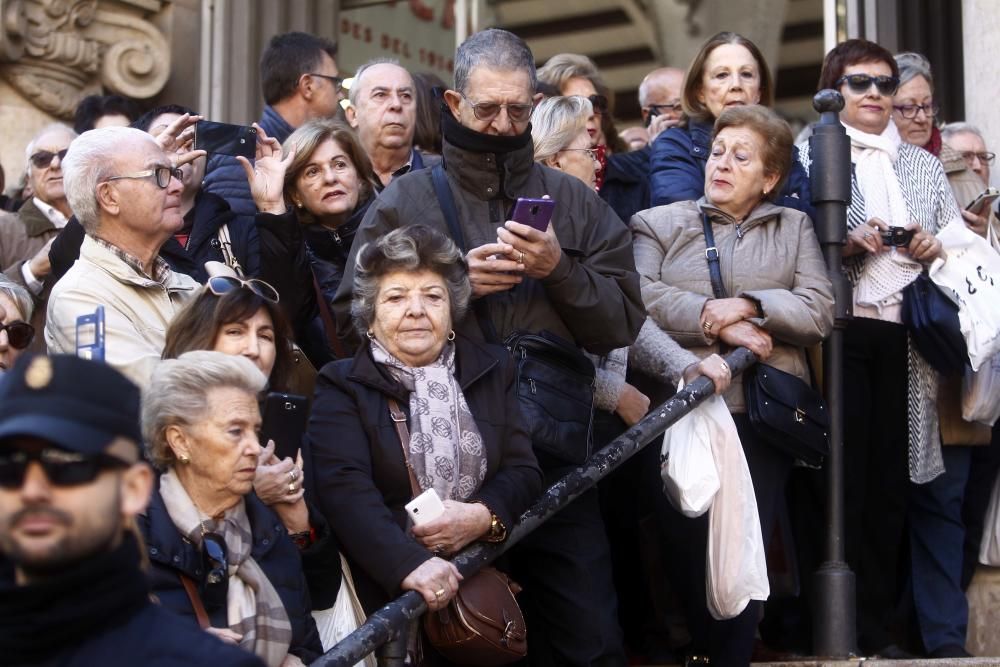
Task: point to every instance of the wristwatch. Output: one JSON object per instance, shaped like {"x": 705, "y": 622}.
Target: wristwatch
{"x": 497, "y": 531}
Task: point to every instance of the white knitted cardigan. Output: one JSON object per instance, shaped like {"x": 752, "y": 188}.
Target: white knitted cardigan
{"x": 931, "y": 204}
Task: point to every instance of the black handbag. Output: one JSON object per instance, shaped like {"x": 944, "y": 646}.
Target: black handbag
{"x": 932, "y": 320}
{"x": 783, "y": 410}
{"x": 555, "y": 389}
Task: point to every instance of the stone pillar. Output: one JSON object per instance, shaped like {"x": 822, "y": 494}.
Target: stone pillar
{"x": 55, "y": 52}
{"x": 980, "y": 33}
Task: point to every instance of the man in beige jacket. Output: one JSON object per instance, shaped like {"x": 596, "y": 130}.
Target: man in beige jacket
{"x": 125, "y": 192}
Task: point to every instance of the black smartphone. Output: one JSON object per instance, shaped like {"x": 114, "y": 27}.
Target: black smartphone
{"x": 284, "y": 421}
{"x": 533, "y": 212}
{"x": 90, "y": 335}
{"x": 225, "y": 138}
{"x": 897, "y": 236}
{"x": 650, "y": 115}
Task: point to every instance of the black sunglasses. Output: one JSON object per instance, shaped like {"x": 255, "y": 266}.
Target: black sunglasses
{"x": 860, "y": 83}
{"x": 19, "y": 334}
{"x": 219, "y": 285}
{"x": 599, "y": 102}
{"x": 214, "y": 559}
{"x": 62, "y": 468}
{"x": 42, "y": 159}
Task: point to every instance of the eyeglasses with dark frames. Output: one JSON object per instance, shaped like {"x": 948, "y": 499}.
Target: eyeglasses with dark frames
{"x": 19, "y": 334}
{"x": 971, "y": 156}
{"x": 517, "y": 113}
{"x": 910, "y": 111}
{"x": 61, "y": 467}
{"x": 219, "y": 285}
{"x": 337, "y": 81}
{"x": 161, "y": 174}
{"x": 42, "y": 159}
{"x": 860, "y": 83}
{"x": 657, "y": 109}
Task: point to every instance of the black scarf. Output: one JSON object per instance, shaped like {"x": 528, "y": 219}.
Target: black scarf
{"x": 476, "y": 142}
{"x": 42, "y": 620}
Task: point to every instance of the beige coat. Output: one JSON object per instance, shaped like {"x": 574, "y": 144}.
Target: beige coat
{"x": 774, "y": 261}
{"x": 137, "y": 310}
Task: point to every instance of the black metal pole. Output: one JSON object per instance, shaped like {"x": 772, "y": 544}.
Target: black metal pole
{"x": 386, "y": 623}
{"x": 834, "y": 628}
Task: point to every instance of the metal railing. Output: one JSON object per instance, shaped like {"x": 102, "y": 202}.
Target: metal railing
{"x": 388, "y": 624}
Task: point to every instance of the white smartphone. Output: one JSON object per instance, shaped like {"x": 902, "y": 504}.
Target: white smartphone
{"x": 425, "y": 508}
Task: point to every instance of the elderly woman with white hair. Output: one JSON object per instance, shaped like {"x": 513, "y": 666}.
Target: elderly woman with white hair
{"x": 560, "y": 136}
{"x": 218, "y": 555}
{"x": 16, "y": 334}
{"x": 913, "y": 105}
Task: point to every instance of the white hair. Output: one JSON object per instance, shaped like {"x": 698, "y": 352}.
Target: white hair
{"x": 90, "y": 161}
{"x": 355, "y": 90}
{"x": 951, "y": 129}
{"x": 178, "y": 392}
{"x": 556, "y": 122}
{"x": 29, "y": 150}
{"x": 19, "y": 296}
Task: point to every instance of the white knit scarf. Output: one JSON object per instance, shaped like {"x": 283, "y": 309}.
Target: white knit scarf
{"x": 446, "y": 448}
{"x": 884, "y": 275}
{"x": 253, "y": 606}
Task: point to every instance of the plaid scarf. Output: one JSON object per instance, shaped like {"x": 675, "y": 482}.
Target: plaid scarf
{"x": 446, "y": 449}
{"x": 253, "y": 607}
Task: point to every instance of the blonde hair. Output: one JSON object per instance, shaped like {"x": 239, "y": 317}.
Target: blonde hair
{"x": 556, "y": 121}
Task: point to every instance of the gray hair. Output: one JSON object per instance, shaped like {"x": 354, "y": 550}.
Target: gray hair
{"x": 411, "y": 248}
{"x": 911, "y": 65}
{"x": 951, "y": 129}
{"x": 51, "y": 127}
{"x": 18, "y": 295}
{"x": 556, "y": 122}
{"x": 90, "y": 162}
{"x": 178, "y": 393}
{"x": 355, "y": 89}
{"x": 493, "y": 49}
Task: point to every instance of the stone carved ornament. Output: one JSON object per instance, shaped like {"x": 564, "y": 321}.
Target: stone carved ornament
{"x": 56, "y": 52}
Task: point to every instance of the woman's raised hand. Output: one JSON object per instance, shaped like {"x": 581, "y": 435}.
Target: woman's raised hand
{"x": 461, "y": 524}
{"x": 177, "y": 139}
{"x": 436, "y": 580}
{"x": 267, "y": 174}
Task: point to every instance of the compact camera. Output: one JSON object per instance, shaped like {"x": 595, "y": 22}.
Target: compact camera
{"x": 897, "y": 236}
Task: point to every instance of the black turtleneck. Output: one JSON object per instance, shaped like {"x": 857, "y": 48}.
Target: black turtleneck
{"x": 478, "y": 142}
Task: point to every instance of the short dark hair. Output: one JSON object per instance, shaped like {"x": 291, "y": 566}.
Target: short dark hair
{"x": 196, "y": 326}
{"x": 308, "y": 138}
{"x": 495, "y": 49}
{"x": 772, "y": 129}
{"x": 427, "y": 135}
{"x": 145, "y": 121}
{"x": 286, "y": 58}
{"x": 693, "y": 107}
{"x": 853, "y": 52}
{"x": 93, "y": 107}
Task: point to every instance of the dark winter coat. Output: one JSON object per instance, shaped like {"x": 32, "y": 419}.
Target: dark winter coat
{"x": 626, "y": 183}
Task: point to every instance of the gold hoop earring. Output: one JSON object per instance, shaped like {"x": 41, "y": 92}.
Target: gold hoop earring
{"x": 451, "y": 335}
{"x": 184, "y": 458}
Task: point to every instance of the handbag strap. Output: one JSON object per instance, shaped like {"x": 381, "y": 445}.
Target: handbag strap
{"x": 399, "y": 419}
{"x": 327, "y": 318}
{"x": 226, "y": 246}
{"x": 192, "y": 593}
{"x": 712, "y": 255}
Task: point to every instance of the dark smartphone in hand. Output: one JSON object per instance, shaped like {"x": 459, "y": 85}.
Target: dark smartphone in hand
{"x": 897, "y": 236}
{"x": 284, "y": 421}
{"x": 90, "y": 335}
{"x": 225, "y": 138}
{"x": 535, "y": 213}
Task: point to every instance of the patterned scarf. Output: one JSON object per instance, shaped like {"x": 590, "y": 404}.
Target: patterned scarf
{"x": 884, "y": 275}
{"x": 446, "y": 449}
{"x": 253, "y": 607}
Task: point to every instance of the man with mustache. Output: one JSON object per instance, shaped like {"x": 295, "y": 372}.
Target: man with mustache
{"x": 72, "y": 481}
{"x": 383, "y": 111}
{"x": 126, "y": 192}
{"x": 25, "y": 237}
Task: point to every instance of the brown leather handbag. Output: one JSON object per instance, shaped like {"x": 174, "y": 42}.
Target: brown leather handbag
{"x": 482, "y": 625}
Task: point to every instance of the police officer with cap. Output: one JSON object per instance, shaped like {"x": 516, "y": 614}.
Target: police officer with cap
{"x": 72, "y": 480}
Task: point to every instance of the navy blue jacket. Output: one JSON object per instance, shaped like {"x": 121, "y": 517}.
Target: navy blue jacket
{"x": 225, "y": 177}
{"x": 677, "y": 169}
{"x": 626, "y": 183}
{"x": 171, "y": 554}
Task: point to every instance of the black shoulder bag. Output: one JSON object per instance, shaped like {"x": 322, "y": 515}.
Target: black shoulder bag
{"x": 555, "y": 380}
{"x": 784, "y": 410}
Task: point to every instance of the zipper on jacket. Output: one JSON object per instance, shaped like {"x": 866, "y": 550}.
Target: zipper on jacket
{"x": 336, "y": 237}
{"x": 739, "y": 231}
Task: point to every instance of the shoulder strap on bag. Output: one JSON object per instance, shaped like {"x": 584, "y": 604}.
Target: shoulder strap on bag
{"x": 327, "y": 318}
{"x": 447, "y": 201}
{"x": 199, "y": 608}
{"x": 226, "y": 246}
{"x": 712, "y": 255}
{"x": 399, "y": 419}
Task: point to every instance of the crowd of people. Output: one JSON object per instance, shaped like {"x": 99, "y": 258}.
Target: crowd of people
{"x": 366, "y": 272}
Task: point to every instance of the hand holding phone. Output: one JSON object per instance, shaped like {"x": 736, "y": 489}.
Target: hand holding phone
{"x": 425, "y": 508}
{"x": 284, "y": 421}
{"x": 981, "y": 204}
{"x": 225, "y": 138}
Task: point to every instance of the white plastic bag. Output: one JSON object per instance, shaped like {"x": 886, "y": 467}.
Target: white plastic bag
{"x": 981, "y": 393}
{"x": 989, "y": 548}
{"x": 971, "y": 273}
{"x": 344, "y": 617}
{"x": 686, "y": 462}
{"x": 735, "y": 561}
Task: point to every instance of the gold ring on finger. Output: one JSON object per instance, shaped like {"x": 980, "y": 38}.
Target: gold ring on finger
{"x": 520, "y": 259}
{"x": 292, "y": 488}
